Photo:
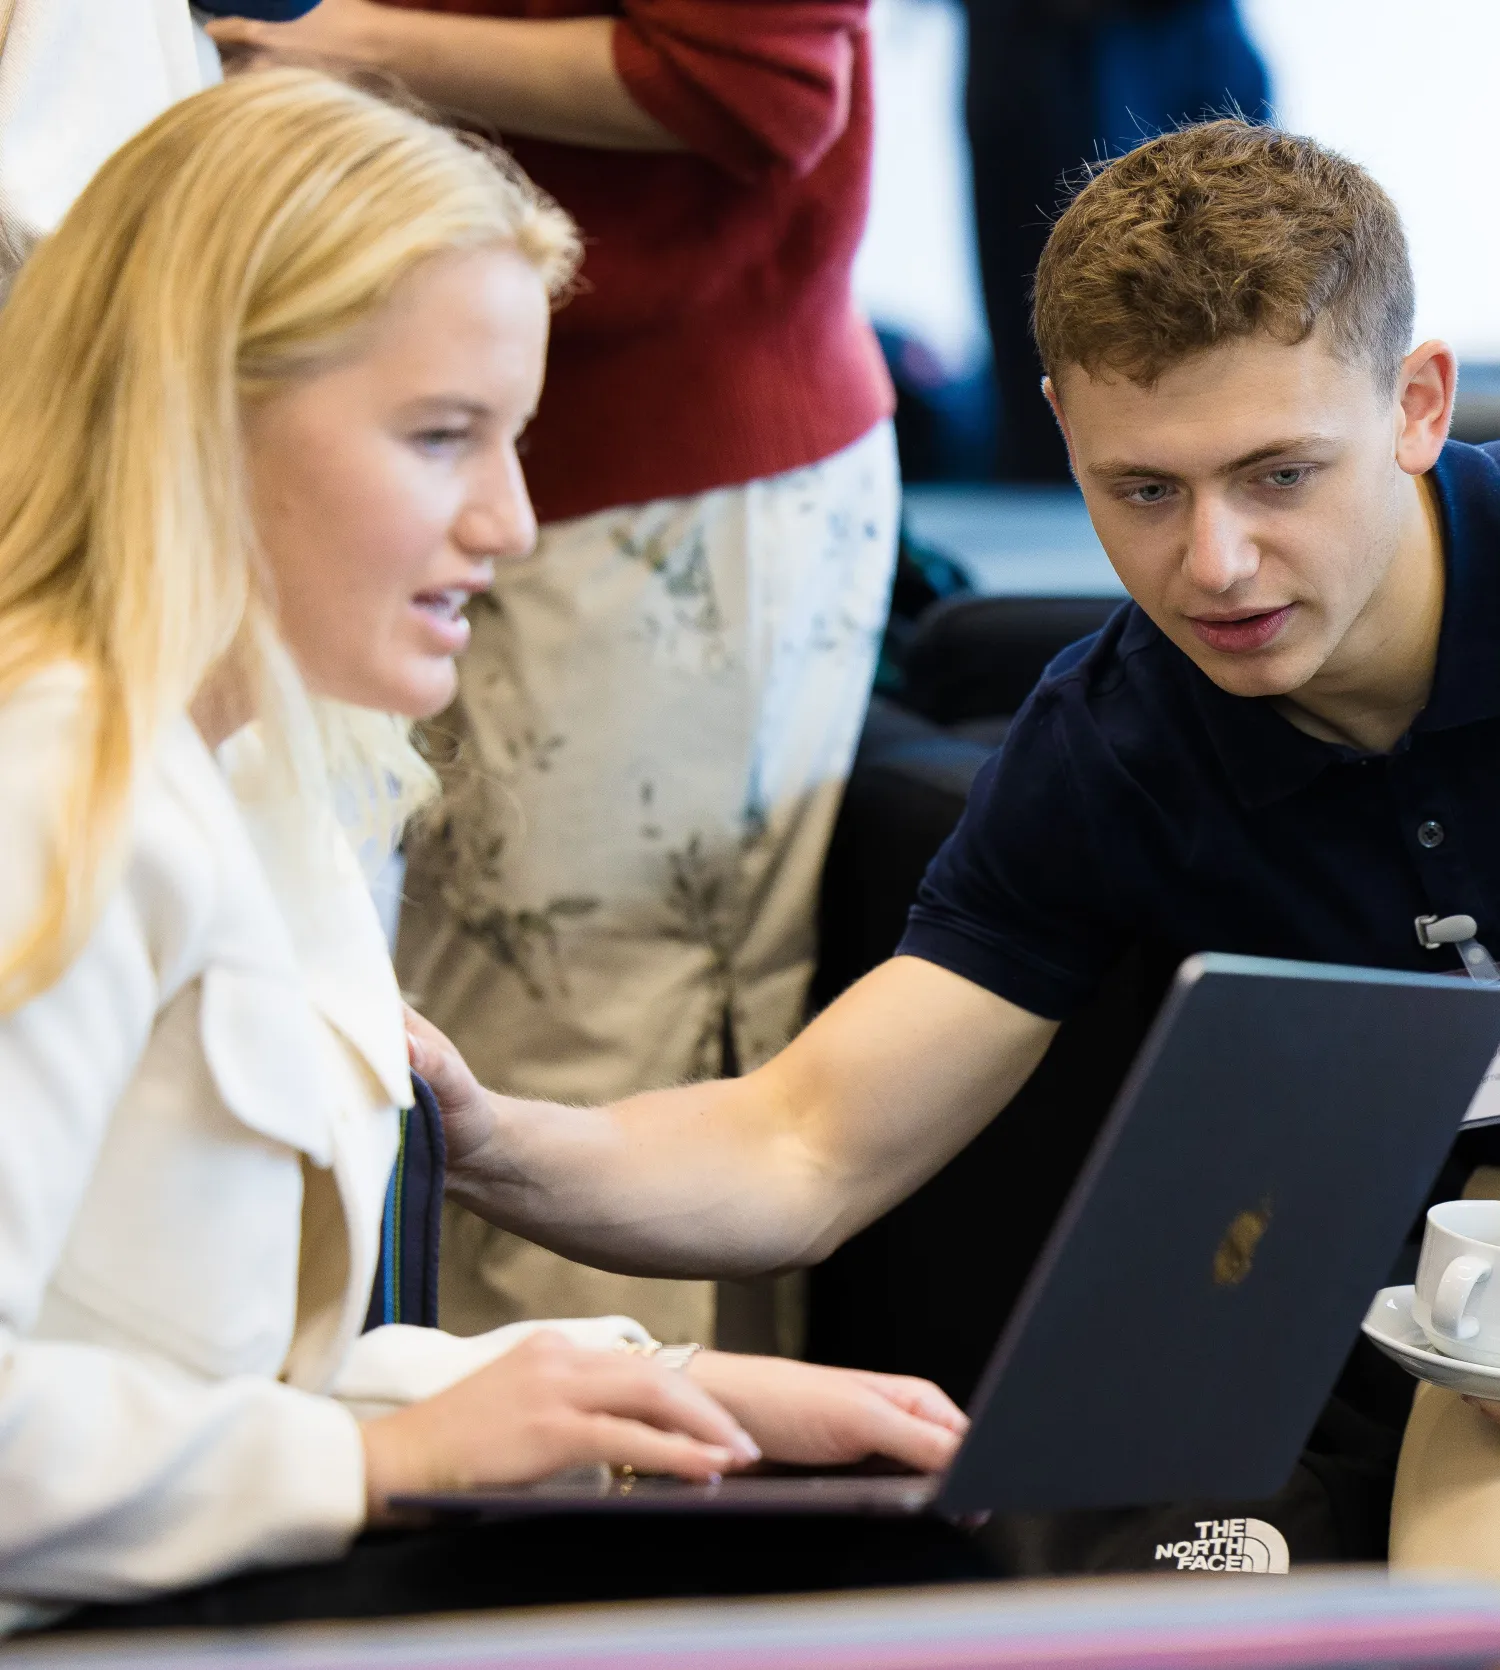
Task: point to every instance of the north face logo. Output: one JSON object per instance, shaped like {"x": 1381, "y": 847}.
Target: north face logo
{"x": 1230, "y": 1545}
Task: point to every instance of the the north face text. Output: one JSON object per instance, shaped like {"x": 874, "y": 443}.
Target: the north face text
{"x": 1229, "y": 1545}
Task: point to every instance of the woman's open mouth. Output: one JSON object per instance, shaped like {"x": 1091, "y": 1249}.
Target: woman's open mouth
{"x": 442, "y": 614}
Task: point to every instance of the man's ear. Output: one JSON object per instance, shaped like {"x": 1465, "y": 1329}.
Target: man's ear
{"x": 1424, "y": 402}
{"x": 1049, "y": 391}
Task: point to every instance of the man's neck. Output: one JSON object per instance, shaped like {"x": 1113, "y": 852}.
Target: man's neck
{"x": 1381, "y": 677}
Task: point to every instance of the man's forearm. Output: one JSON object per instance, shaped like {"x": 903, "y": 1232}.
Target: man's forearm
{"x": 547, "y": 79}
{"x": 696, "y": 1181}
{"x": 765, "y": 1172}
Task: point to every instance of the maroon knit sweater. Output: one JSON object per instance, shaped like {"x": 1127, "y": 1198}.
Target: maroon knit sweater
{"x": 715, "y": 340}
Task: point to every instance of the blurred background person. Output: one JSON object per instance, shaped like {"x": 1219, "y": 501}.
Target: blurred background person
{"x": 77, "y": 80}
{"x": 1040, "y": 90}
{"x": 658, "y": 713}
{"x": 1051, "y": 85}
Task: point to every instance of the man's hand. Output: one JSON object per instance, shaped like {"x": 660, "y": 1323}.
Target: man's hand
{"x": 468, "y": 1114}
{"x": 809, "y": 1415}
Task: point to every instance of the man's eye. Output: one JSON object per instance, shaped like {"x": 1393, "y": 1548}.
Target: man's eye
{"x": 1293, "y": 475}
{"x": 1149, "y": 492}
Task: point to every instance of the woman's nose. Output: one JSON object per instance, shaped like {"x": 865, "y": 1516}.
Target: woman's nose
{"x": 500, "y": 524}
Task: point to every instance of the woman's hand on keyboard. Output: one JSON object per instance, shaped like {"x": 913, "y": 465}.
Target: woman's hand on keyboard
{"x": 548, "y": 1405}
{"x": 810, "y": 1415}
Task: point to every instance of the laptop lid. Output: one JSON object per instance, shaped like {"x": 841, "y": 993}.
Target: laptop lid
{"x": 1196, "y": 1299}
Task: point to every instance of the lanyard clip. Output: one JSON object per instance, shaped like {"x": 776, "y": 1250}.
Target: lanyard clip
{"x": 1459, "y": 931}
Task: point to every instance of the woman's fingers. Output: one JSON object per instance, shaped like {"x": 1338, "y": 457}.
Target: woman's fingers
{"x": 627, "y": 1387}
{"x": 917, "y": 1397}
{"x": 912, "y": 1440}
{"x": 646, "y": 1449}
{"x": 546, "y": 1405}
{"x": 668, "y": 1400}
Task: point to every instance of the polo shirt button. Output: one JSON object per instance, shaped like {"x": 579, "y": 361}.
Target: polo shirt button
{"x": 1431, "y": 833}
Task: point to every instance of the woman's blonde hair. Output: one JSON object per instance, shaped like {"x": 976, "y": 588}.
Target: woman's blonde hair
{"x": 233, "y": 246}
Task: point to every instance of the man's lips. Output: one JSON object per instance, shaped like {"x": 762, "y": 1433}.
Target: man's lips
{"x": 1241, "y": 633}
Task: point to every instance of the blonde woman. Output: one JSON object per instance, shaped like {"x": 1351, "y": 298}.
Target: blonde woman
{"x": 259, "y": 407}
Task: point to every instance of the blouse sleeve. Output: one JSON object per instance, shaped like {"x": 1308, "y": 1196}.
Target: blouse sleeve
{"x": 757, "y": 86}
{"x": 120, "y": 1475}
{"x": 398, "y": 1364}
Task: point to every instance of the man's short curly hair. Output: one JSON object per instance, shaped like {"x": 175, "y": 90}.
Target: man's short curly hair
{"x": 1216, "y": 231}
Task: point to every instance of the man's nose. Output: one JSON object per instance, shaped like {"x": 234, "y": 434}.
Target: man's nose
{"x": 1221, "y": 552}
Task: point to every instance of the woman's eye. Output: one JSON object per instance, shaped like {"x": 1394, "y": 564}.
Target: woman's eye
{"x": 440, "y": 440}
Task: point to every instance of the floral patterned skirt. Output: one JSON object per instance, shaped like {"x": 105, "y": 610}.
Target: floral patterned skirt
{"x": 655, "y": 719}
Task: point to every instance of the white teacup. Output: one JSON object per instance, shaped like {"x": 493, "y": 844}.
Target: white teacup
{"x": 1457, "y": 1298}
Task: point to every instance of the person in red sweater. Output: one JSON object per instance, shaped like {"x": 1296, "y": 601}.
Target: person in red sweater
{"x": 657, "y": 714}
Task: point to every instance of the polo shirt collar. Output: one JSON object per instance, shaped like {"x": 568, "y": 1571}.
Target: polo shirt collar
{"x": 1466, "y": 683}
{"x": 1267, "y": 758}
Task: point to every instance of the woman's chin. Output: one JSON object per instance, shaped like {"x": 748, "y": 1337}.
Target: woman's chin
{"x": 429, "y": 691}
{"x": 420, "y": 689}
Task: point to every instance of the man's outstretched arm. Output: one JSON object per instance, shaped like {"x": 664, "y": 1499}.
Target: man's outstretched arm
{"x": 769, "y": 1171}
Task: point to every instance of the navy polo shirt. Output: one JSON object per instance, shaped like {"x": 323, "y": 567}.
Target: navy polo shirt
{"x": 1134, "y": 800}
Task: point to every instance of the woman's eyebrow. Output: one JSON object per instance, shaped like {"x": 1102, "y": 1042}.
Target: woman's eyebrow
{"x": 449, "y": 403}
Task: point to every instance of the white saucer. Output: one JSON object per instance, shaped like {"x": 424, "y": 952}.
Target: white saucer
{"x": 1390, "y": 1326}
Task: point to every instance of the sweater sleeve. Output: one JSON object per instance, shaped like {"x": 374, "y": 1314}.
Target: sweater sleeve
{"x": 120, "y": 1474}
{"x": 756, "y": 86}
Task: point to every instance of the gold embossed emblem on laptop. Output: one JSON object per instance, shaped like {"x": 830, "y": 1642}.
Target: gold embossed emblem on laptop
{"x": 1236, "y": 1252}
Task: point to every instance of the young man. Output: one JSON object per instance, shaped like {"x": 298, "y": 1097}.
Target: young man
{"x": 1286, "y": 745}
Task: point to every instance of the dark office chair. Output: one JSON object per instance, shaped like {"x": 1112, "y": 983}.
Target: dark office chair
{"x": 972, "y": 661}
{"x": 925, "y": 1289}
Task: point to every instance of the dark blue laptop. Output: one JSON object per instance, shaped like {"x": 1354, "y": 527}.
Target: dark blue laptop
{"x": 1184, "y": 1325}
